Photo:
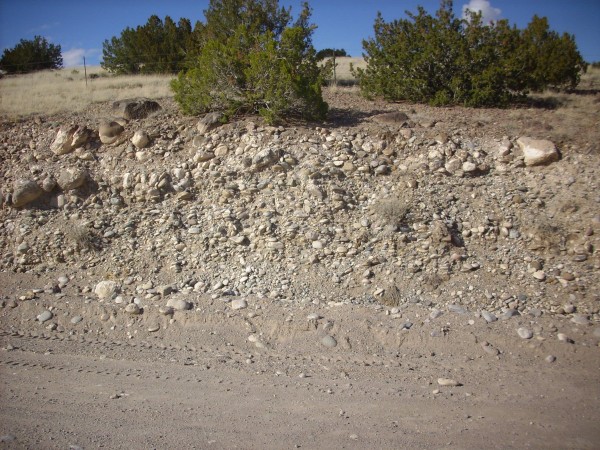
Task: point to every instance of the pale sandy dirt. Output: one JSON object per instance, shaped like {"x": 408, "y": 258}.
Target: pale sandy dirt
{"x": 200, "y": 384}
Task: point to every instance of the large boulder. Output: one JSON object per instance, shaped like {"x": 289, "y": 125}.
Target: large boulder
{"x": 71, "y": 178}
{"x": 537, "y": 151}
{"x": 70, "y": 137}
{"x": 136, "y": 108}
{"x": 109, "y": 131}
{"x": 25, "y": 191}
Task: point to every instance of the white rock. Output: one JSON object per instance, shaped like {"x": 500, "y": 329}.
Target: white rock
{"x": 106, "y": 289}
{"x": 140, "y": 139}
{"x": 537, "y": 151}
{"x": 179, "y": 304}
{"x": 239, "y": 303}
{"x": 525, "y": 333}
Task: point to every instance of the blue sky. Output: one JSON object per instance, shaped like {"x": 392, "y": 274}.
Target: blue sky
{"x": 81, "y": 26}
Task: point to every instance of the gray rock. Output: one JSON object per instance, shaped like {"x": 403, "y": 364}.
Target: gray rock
{"x": 71, "y": 178}
{"x": 264, "y": 158}
{"x": 457, "y": 309}
{"x": 525, "y": 333}
{"x": 45, "y": 316}
{"x": 136, "y": 108}
{"x": 209, "y": 122}
{"x": 76, "y": 319}
{"x": 179, "y": 304}
{"x": 435, "y": 314}
{"x": 580, "y": 319}
{"x": 537, "y": 151}
{"x": 329, "y": 341}
{"x": 488, "y": 316}
{"x": 509, "y": 313}
{"x": 133, "y": 309}
{"x": 25, "y": 191}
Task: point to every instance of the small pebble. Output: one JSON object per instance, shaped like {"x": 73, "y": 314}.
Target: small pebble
{"x": 448, "y": 382}
{"x": 153, "y": 328}
{"x": 525, "y": 333}
{"x": 550, "y": 358}
{"x": 488, "y": 316}
{"x": 76, "y": 319}
{"x": 45, "y": 316}
{"x": 329, "y": 341}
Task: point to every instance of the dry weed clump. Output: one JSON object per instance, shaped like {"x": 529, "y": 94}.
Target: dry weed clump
{"x": 393, "y": 211}
{"x": 54, "y": 91}
{"x": 81, "y": 237}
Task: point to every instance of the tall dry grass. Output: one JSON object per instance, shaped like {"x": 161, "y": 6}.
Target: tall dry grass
{"x": 53, "y": 91}
{"x": 343, "y": 75}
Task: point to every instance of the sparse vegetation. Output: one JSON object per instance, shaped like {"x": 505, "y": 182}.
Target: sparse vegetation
{"x": 445, "y": 60}
{"x": 254, "y": 60}
{"x": 31, "y": 56}
{"x": 393, "y": 210}
{"x": 49, "y": 92}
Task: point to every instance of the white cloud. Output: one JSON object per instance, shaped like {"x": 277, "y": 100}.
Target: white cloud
{"x": 488, "y": 12}
{"x": 74, "y": 57}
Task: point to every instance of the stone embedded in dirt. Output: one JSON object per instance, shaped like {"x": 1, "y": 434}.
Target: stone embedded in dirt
{"x": 264, "y": 158}
{"x": 539, "y": 275}
{"x": 435, "y": 313}
{"x": 562, "y": 337}
{"x": 209, "y": 122}
{"x": 328, "y": 341}
{"x": 537, "y": 151}
{"x": 76, "y": 319}
{"x": 525, "y": 333}
{"x": 133, "y": 309}
{"x": 580, "y": 319}
{"x": 448, "y": 382}
{"x": 45, "y": 316}
{"x": 488, "y": 316}
{"x": 136, "y": 108}
{"x": 179, "y": 304}
{"x": 153, "y": 328}
{"x": 166, "y": 310}
{"x": 71, "y": 178}
{"x": 109, "y": 132}
{"x": 140, "y": 139}
{"x": 25, "y": 191}
{"x": 106, "y": 289}
{"x": 395, "y": 118}
{"x": 239, "y": 303}
{"x": 550, "y": 358}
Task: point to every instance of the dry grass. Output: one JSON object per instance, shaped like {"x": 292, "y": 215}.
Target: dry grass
{"x": 55, "y": 91}
{"x": 344, "y": 76}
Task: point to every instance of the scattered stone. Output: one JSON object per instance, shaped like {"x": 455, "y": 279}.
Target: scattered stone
{"x": 179, "y": 304}
{"x": 239, "y": 303}
{"x": 71, "y": 178}
{"x": 166, "y": 310}
{"x": 153, "y": 328}
{"x": 537, "y": 151}
{"x": 138, "y": 108}
{"x": 435, "y": 313}
{"x": 25, "y": 191}
{"x": 448, "y": 382}
{"x": 70, "y": 137}
{"x": 45, "y": 316}
{"x": 488, "y": 316}
{"x": 329, "y": 341}
{"x": 110, "y": 131}
{"x": 140, "y": 139}
{"x": 133, "y": 309}
{"x": 580, "y": 319}
{"x": 209, "y": 122}
{"x": 525, "y": 333}
{"x": 76, "y": 319}
{"x": 550, "y": 358}
{"x": 564, "y": 338}
{"x": 539, "y": 275}
{"x": 107, "y": 289}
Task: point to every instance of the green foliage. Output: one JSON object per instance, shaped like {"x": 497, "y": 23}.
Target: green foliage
{"x": 31, "y": 55}
{"x": 254, "y": 61}
{"x": 156, "y": 47}
{"x": 445, "y": 60}
{"x": 330, "y": 52}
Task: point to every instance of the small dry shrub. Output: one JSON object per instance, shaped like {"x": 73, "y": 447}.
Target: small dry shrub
{"x": 81, "y": 236}
{"x": 392, "y": 297}
{"x": 393, "y": 211}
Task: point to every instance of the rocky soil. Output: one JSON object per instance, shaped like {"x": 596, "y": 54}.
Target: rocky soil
{"x": 399, "y": 276}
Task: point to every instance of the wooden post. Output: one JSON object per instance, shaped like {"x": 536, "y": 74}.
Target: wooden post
{"x": 85, "y": 71}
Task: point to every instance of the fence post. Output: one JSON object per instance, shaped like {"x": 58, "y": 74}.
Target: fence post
{"x": 85, "y": 71}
